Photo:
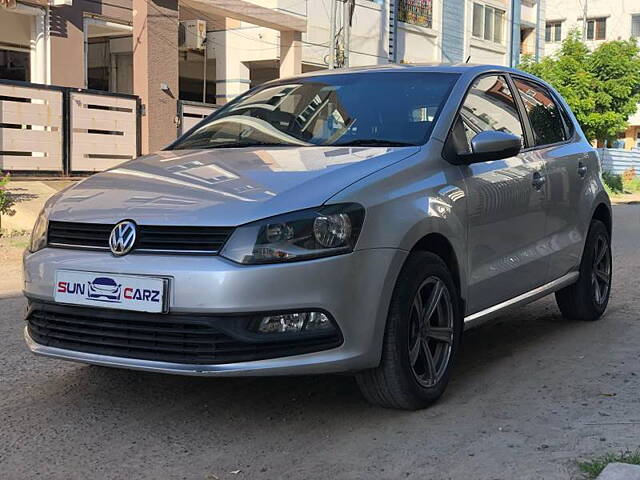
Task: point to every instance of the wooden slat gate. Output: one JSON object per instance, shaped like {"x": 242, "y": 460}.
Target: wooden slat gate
{"x": 60, "y": 130}
{"x": 104, "y": 131}
{"x": 31, "y": 128}
{"x": 191, "y": 113}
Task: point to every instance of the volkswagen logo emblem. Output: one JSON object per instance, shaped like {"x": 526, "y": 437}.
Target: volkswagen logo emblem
{"x": 122, "y": 238}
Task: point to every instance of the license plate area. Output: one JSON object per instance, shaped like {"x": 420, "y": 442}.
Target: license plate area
{"x": 106, "y": 290}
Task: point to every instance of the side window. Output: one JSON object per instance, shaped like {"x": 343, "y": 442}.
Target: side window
{"x": 568, "y": 123}
{"x": 544, "y": 115}
{"x": 489, "y": 105}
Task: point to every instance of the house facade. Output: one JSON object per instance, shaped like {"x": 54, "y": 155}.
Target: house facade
{"x": 598, "y": 21}
{"x": 209, "y": 51}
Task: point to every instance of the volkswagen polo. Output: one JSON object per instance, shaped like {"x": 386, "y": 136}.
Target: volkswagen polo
{"x": 346, "y": 221}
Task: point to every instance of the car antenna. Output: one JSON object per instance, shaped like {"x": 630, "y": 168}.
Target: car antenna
{"x": 468, "y": 58}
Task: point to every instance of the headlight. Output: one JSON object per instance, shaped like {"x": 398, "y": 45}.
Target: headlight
{"x": 39, "y": 233}
{"x": 312, "y": 233}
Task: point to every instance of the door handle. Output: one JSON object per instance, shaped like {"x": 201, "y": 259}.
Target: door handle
{"x": 582, "y": 169}
{"x": 538, "y": 180}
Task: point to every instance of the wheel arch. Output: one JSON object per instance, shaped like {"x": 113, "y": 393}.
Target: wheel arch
{"x": 440, "y": 245}
{"x": 602, "y": 212}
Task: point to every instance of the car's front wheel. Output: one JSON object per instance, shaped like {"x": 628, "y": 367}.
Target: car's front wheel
{"x": 422, "y": 336}
{"x": 587, "y": 299}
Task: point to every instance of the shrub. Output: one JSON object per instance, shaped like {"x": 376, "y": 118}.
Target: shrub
{"x": 6, "y": 202}
{"x": 630, "y": 181}
{"x": 632, "y": 186}
{"x": 613, "y": 182}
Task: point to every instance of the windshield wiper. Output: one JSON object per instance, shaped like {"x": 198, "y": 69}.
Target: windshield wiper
{"x": 247, "y": 144}
{"x": 373, "y": 142}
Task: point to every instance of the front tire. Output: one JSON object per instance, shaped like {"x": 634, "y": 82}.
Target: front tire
{"x": 421, "y": 339}
{"x": 587, "y": 299}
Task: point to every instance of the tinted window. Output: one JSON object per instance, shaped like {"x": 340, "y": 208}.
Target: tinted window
{"x": 568, "y": 123}
{"x": 489, "y": 105}
{"x": 14, "y": 65}
{"x": 388, "y": 108}
{"x": 544, "y": 115}
{"x": 635, "y": 26}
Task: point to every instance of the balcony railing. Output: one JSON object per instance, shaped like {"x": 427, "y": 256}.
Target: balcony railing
{"x": 417, "y": 12}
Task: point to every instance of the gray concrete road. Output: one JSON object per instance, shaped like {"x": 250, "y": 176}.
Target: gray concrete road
{"x": 531, "y": 394}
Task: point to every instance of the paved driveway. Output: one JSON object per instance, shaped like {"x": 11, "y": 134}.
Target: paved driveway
{"x": 531, "y": 393}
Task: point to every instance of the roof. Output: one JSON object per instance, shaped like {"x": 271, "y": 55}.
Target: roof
{"x": 415, "y": 67}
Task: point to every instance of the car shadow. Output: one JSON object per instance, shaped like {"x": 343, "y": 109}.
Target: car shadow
{"x": 196, "y": 400}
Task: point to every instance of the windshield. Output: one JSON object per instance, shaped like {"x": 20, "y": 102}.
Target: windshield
{"x": 368, "y": 109}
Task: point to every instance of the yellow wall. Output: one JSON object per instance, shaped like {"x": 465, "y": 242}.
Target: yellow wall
{"x": 631, "y": 137}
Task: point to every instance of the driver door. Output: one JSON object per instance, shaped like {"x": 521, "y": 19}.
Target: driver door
{"x": 506, "y": 215}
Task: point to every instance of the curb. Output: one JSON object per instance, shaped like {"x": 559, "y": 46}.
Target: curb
{"x": 620, "y": 471}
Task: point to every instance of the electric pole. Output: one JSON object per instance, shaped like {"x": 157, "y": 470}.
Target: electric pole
{"x": 347, "y": 16}
{"x": 204, "y": 71}
{"x": 332, "y": 35}
{"x": 584, "y": 21}
{"x": 346, "y": 19}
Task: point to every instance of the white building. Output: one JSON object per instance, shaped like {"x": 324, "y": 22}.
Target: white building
{"x": 406, "y": 31}
{"x": 606, "y": 20}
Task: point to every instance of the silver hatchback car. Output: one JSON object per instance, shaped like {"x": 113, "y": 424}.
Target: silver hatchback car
{"x": 345, "y": 221}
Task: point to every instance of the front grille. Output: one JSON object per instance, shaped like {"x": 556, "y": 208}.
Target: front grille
{"x": 150, "y": 238}
{"x": 179, "y": 338}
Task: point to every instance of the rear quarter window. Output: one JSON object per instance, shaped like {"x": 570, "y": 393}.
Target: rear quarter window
{"x": 544, "y": 113}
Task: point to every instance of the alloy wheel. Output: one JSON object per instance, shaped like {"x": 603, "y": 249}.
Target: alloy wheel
{"x": 601, "y": 270}
{"x": 430, "y": 332}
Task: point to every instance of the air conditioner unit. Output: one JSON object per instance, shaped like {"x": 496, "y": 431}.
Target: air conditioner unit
{"x": 192, "y": 34}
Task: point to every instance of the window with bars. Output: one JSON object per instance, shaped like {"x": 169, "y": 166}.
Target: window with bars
{"x": 488, "y": 23}
{"x": 635, "y": 25}
{"x": 553, "y": 32}
{"x": 596, "y": 28}
{"x": 417, "y": 12}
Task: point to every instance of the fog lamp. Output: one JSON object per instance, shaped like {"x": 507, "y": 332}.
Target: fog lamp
{"x": 294, "y": 322}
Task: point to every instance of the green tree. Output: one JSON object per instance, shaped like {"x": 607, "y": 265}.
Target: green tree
{"x": 601, "y": 87}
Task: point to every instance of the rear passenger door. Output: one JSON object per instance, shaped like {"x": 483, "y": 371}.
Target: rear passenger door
{"x": 568, "y": 168}
{"x": 506, "y": 216}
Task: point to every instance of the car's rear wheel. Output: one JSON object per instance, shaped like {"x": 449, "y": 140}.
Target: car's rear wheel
{"x": 422, "y": 335}
{"x": 587, "y": 299}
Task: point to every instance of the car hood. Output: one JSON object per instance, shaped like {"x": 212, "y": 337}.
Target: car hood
{"x": 219, "y": 187}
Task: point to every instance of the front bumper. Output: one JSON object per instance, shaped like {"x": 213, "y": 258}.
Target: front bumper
{"x": 355, "y": 289}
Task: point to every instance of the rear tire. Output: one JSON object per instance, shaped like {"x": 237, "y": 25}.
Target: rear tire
{"x": 421, "y": 339}
{"x": 587, "y": 299}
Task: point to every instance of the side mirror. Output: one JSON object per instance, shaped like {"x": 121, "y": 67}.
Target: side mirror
{"x": 492, "y": 145}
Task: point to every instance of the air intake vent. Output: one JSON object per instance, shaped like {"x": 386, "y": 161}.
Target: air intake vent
{"x": 182, "y": 338}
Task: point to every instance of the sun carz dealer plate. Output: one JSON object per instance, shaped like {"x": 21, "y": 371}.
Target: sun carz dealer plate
{"x": 124, "y": 292}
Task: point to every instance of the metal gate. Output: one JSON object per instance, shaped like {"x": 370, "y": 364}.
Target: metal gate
{"x": 61, "y": 130}
{"x": 192, "y": 113}
{"x": 104, "y": 131}
{"x": 31, "y": 128}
